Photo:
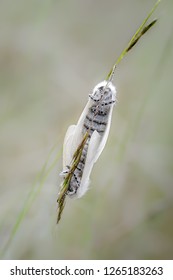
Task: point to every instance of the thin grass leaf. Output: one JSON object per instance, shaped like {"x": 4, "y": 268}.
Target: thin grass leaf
{"x": 144, "y": 30}
{"x": 135, "y": 38}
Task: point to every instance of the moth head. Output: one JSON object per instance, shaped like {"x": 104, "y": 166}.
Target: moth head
{"x": 102, "y": 92}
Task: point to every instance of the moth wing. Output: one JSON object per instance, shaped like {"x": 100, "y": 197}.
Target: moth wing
{"x": 73, "y": 138}
{"x": 90, "y": 160}
{"x": 67, "y": 151}
{"x": 78, "y": 134}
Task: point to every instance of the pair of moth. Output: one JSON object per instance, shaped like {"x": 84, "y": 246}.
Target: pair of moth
{"x": 85, "y": 141}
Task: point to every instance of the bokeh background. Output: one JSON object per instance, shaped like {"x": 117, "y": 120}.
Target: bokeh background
{"x": 52, "y": 53}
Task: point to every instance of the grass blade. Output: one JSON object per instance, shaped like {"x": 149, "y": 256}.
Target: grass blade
{"x": 135, "y": 38}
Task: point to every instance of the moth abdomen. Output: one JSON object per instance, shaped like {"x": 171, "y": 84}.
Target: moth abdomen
{"x": 96, "y": 120}
{"x": 99, "y": 128}
{"x": 77, "y": 174}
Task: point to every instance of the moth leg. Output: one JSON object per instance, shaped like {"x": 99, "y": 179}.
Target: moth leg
{"x": 74, "y": 185}
{"x": 71, "y": 190}
{"x": 64, "y": 172}
{"x": 108, "y": 103}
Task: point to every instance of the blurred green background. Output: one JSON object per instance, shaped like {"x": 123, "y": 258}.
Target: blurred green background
{"x": 52, "y": 54}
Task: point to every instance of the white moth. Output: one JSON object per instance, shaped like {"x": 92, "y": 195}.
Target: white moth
{"x": 95, "y": 119}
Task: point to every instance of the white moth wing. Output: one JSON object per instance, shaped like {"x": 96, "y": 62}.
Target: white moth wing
{"x": 67, "y": 153}
{"x": 78, "y": 135}
{"x": 73, "y": 138}
{"x": 90, "y": 159}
